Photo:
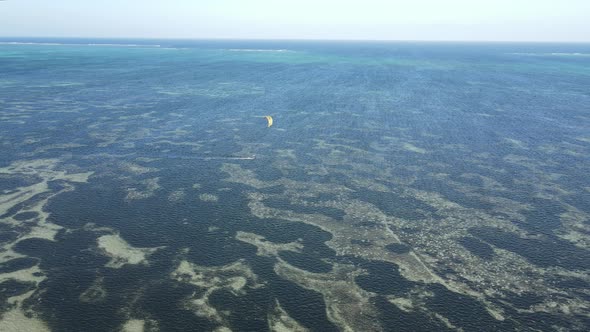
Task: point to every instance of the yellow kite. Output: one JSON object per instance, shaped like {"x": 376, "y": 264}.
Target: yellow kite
{"x": 269, "y": 119}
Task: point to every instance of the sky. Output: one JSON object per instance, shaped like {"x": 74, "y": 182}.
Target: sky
{"x": 435, "y": 20}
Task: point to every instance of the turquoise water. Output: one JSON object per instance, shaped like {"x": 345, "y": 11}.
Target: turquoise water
{"x": 402, "y": 186}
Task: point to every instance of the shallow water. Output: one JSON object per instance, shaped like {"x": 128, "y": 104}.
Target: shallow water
{"x": 402, "y": 186}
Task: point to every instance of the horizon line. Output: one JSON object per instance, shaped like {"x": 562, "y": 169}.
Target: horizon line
{"x": 310, "y": 39}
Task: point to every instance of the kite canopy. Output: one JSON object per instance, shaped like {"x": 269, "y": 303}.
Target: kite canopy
{"x": 269, "y": 119}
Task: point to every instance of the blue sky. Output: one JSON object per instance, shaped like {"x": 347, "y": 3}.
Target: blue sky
{"x": 485, "y": 20}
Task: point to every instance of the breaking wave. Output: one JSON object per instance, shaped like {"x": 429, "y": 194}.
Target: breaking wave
{"x": 576, "y": 54}
{"x": 78, "y": 44}
{"x": 257, "y": 50}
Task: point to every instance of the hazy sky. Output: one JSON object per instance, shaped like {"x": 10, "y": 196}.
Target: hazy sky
{"x": 507, "y": 20}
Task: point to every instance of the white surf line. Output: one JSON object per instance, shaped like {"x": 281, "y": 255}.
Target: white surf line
{"x": 78, "y": 44}
{"x": 188, "y": 157}
{"x": 253, "y": 157}
{"x": 257, "y": 50}
{"x": 218, "y": 158}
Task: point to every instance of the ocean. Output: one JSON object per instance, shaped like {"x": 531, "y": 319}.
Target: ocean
{"x": 403, "y": 186}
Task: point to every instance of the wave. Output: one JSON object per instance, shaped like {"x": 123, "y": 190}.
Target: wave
{"x": 574, "y": 54}
{"x": 29, "y": 43}
{"x": 125, "y": 45}
{"x": 571, "y": 54}
{"x": 257, "y": 50}
{"x": 80, "y": 44}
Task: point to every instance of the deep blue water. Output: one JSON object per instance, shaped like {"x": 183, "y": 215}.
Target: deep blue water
{"x": 469, "y": 159}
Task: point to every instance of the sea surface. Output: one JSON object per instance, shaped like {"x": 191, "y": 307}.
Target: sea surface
{"x": 403, "y": 186}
